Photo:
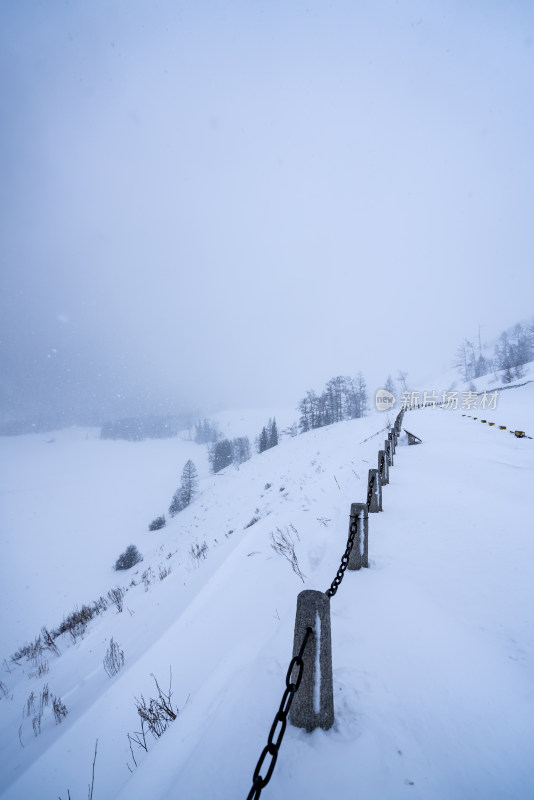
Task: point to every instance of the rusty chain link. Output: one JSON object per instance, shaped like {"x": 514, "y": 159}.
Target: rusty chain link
{"x": 273, "y": 745}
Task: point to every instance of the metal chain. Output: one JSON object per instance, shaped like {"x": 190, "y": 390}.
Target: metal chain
{"x": 280, "y": 722}
{"x": 344, "y": 560}
{"x": 370, "y": 492}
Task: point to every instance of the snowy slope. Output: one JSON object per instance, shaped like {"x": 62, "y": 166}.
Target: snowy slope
{"x": 433, "y": 645}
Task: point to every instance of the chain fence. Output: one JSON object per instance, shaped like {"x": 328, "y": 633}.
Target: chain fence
{"x": 278, "y": 728}
{"x": 273, "y": 745}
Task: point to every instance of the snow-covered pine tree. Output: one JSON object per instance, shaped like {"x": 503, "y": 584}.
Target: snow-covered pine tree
{"x": 187, "y": 490}
{"x": 273, "y": 433}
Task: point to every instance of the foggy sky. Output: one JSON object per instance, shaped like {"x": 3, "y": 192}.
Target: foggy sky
{"x": 227, "y": 203}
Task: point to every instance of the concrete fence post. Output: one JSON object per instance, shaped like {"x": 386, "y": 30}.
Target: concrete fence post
{"x": 376, "y": 492}
{"x": 391, "y": 437}
{"x": 359, "y": 555}
{"x": 383, "y": 468}
{"x": 313, "y": 704}
{"x": 389, "y": 454}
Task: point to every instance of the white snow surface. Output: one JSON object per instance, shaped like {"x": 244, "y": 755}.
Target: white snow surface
{"x": 433, "y": 645}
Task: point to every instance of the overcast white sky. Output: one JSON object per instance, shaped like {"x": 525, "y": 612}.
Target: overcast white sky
{"x": 230, "y": 202}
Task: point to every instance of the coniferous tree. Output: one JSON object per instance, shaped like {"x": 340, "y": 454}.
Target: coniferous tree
{"x": 220, "y": 455}
{"x": 342, "y": 398}
{"x": 189, "y": 482}
{"x": 263, "y": 441}
{"x": 205, "y": 432}
{"x": 308, "y": 412}
{"x": 273, "y": 434}
{"x": 240, "y": 450}
{"x": 361, "y": 391}
{"x": 465, "y": 356}
{"x": 504, "y": 357}
{"x": 186, "y": 491}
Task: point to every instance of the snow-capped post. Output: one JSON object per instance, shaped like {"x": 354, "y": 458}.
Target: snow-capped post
{"x": 376, "y": 491}
{"x": 391, "y": 437}
{"x": 389, "y": 454}
{"x": 313, "y": 704}
{"x": 413, "y": 439}
{"x": 359, "y": 555}
{"x": 383, "y": 468}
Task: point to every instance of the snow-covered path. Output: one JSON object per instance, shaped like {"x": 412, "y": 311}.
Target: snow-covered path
{"x": 433, "y": 645}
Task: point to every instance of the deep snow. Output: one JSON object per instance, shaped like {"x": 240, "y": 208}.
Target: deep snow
{"x": 433, "y": 645}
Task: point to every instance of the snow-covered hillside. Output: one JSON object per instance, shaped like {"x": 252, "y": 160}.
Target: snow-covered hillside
{"x": 433, "y": 645}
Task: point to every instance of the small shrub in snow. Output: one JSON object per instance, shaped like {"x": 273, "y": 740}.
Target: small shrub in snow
{"x": 48, "y": 641}
{"x": 3, "y": 688}
{"x": 163, "y": 572}
{"x": 157, "y": 523}
{"x": 36, "y": 707}
{"x": 198, "y": 551}
{"x": 31, "y": 652}
{"x": 116, "y": 596}
{"x": 29, "y": 707}
{"x": 76, "y": 622}
{"x": 59, "y": 709}
{"x": 114, "y": 658}
{"x": 159, "y": 711}
{"x": 283, "y": 544}
{"x": 41, "y": 669}
{"x": 147, "y": 577}
{"x": 129, "y": 558}
{"x": 252, "y": 522}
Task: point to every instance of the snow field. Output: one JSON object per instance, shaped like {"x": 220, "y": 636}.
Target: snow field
{"x": 433, "y": 645}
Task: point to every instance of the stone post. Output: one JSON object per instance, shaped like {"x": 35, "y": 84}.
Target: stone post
{"x": 359, "y": 555}
{"x": 383, "y": 469}
{"x": 313, "y": 704}
{"x": 376, "y": 493}
{"x": 389, "y": 454}
{"x": 391, "y": 437}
